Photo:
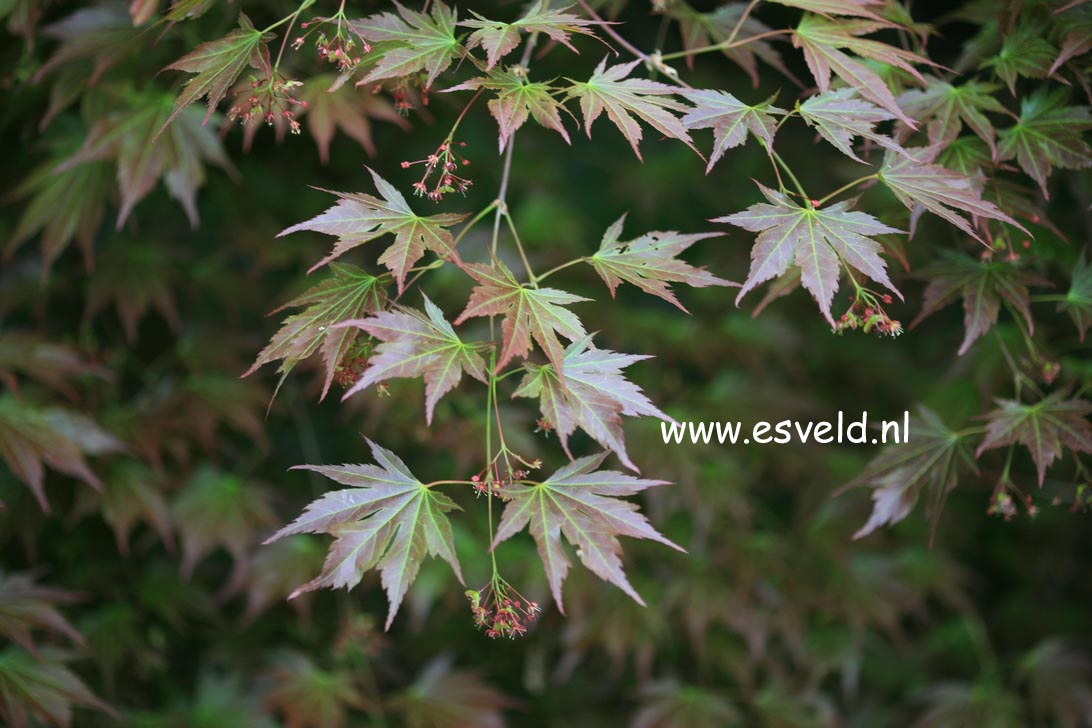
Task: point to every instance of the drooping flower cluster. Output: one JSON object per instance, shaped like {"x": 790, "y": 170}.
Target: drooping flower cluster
{"x": 440, "y": 176}
{"x": 501, "y": 610}
{"x": 867, "y": 313}
{"x": 340, "y": 47}
{"x": 268, "y": 100}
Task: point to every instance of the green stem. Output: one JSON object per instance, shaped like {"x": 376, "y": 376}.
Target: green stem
{"x": 561, "y": 267}
{"x": 519, "y": 246}
{"x": 845, "y": 187}
{"x": 725, "y": 46}
{"x": 796, "y": 183}
{"x": 474, "y": 221}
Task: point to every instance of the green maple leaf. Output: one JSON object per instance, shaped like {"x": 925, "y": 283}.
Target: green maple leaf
{"x": 839, "y": 116}
{"x": 1078, "y": 299}
{"x": 1048, "y": 134}
{"x": 1046, "y": 428}
{"x": 130, "y": 493}
{"x": 387, "y": 520}
{"x": 822, "y": 41}
{"x": 344, "y": 109}
{"x": 347, "y": 294}
{"x": 929, "y": 463}
{"x": 216, "y": 66}
{"x": 411, "y": 42}
{"x": 915, "y": 180}
{"x": 730, "y": 119}
{"x": 608, "y": 90}
{"x": 358, "y": 218}
{"x": 982, "y": 285}
{"x": 700, "y": 30}
{"x": 590, "y": 392}
{"x": 499, "y": 39}
{"x": 857, "y": 8}
{"x": 945, "y": 108}
{"x": 41, "y": 690}
{"x": 311, "y": 697}
{"x": 529, "y": 313}
{"x": 818, "y": 241}
{"x": 517, "y": 100}
{"x": 650, "y": 263}
{"x": 416, "y": 344}
{"x": 1024, "y": 53}
{"x": 581, "y": 504}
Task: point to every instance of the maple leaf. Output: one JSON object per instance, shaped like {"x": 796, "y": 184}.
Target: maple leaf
{"x": 216, "y": 66}
{"x": 499, "y": 39}
{"x": 1024, "y": 53}
{"x": 517, "y": 100}
{"x": 916, "y": 181}
{"x": 26, "y": 607}
{"x": 347, "y": 294}
{"x": 818, "y": 241}
{"x": 1045, "y": 428}
{"x": 130, "y": 493}
{"x": 857, "y": 8}
{"x": 982, "y": 285}
{"x": 650, "y": 262}
{"x": 97, "y": 37}
{"x": 310, "y": 697}
{"x": 32, "y": 437}
{"x": 276, "y": 570}
{"x": 346, "y": 110}
{"x": 730, "y": 119}
{"x": 358, "y": 218}
{"x": 36, "y": 690}
{"x": 135, "y": 279}
{"x": 590, "y": 392}
{"x": 609, "y": 90}
{"x": 929, "y": 463}
{"x": 822, "y": 39}
{"x": 529, "y": 313}
{"x": 416, "y": 344}
{"x": 946, "y": 108}
{"x": 387, "y": 520}
{"x": 1078, "y": 300}
{"x": 700, "y": 30}
{"x": 1048, "y": 134}
{"x": 411, "y": 42}
{"x": 580, "y": 503}
{"x": 127, "y": 138}
{"x": 839, "y": 116}
{"x": 44, "y": 361}
{"x": 443, "y": 697}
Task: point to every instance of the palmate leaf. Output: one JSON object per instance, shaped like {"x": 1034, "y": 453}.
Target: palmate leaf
{"x": 131, "y": 493}
{"x": 582, "y": 504}
{"x": 589, "y": 392}
{"x": 608, "y": 90}
{"x": 1046, "y": 428}
{"x": 1078, "y": 299}
{"x": 309, "y": 696}
{"x": 730, "y": 119}
{"x": 945, "y": 108}
{"x": 358, "y": 218}
{"x": 346, "y": 110}
{"x": 840, "y": 116}
{"x": 43, "y": 691}
{"x": 919, "y": 184}
{"x": 443, "y": 697}
{"x": 216, "y": 66}
{"x": 982, "y": 285}
{"x": 517, "y": 100}
{"x": 32, "y": 355}
{"x": 411, "y": 42}
{"x": 818, "y": 241}
{"x": 387, "y": 520}
{"x": 347, "y": 294}
{"x": 529, "y": 313}
{"x": 928, "y": 464}
{"x": 699, "y": 30}
{"x": 857, "y": 8}
{"x": 499, "y": 39}
{"x": 135, "y": 279}
{"x": 650, "y": 262}
{"x": 416, "y": 344}
{"x": 1025, "y": 53}
{"x": 26, "y": 607}
{"x": 822, "y": 41}
{"x": 1048, "y": 134}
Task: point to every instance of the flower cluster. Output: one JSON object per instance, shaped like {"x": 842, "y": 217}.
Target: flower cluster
{"x": 501, "y": 610}
{"x": 340, "y": 48}
{"x": 267, "y": 100}
{"x": 867, "y": 314}
{"x": 493, "y": 479}
{"x": 440, "y": 176}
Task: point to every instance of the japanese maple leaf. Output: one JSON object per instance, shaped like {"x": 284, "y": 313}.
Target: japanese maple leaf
{"x": 858, "y": 8}
{"x": 1078, "y": 300}
{"x": 26, "y": 607}
{"x": 416, "y": 344}
{"x": 822, "y": 41}
{"x": 916, "y": 181}
{"x": 387, "y": 520}
{"x": 345, "y": 109}
{"x": 499, "y": 39}
{"x": 411, "y": 42}
{"x": 216, "y": 66}
{"x": 46, "y": 686}
{"x": 945, "y": 108}
{"x": 517, "y": 100}
{"x": 24, "y": 354}
{"x": 347, "y": 294}
{"x": 1025, "y": 53}
{"x": 358, "y": 218}
{"x": 730, "y": 119}
{"x": 818, "y": 241}
{"x": 583, "y": 505}
{"x": 928, "y": 464}
{"x": 699, "y": 30}
{"x": 650, "y": 262}
{"x": 529, "y": 313}
{"x": 839, "y": 116}
{"x": 623, "y": 99}
{"x": 1048, "y": 134}
{"x": 982, "y": 285}
{"x": 1045, "y": 428}
{"x": 589, "y": 392}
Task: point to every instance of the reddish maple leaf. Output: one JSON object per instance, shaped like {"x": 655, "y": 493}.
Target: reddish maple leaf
{"x": 499, "y": 39}
{"x": 1045, "y": 428}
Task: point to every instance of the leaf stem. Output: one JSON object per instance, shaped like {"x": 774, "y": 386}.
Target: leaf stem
{"x": 562, "y": 267}
{"x": 724, "y": 46}
{"x": 843, "y": 188}
{"x": 781, "y": 163}
{"x": 519, "y": 246}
